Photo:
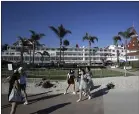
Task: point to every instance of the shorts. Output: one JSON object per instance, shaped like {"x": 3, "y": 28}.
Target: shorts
{"x": 71, "y": 81}
{"x": 23, "y": 86}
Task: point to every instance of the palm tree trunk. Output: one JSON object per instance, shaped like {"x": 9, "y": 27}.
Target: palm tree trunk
{"x": 33, "y": 51}
{"x": 89, "y": 53}
{"x": 125, "y": 56}
{"x": 60, "y": 50}
{"x": 63, "y": 55}
{"x": 117, "y": 55}
{"x": 30, "y": 56}
{"x": 22, "y": 55}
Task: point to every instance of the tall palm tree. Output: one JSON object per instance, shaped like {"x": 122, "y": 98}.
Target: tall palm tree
{"x": 90, "y": 39}
{"x": 4, "y": 47}
{"x": 65, "y": 44}
{"x": 43, "y": 54}
{"x": 126, "y": 35}
{"x": 116, "y": 39}
{"x": 34, "y": 39}
{"x": 24, "y": 42}
{"x": 60, "y": 32}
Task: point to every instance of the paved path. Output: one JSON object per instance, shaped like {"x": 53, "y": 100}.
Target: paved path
{"x": 104, "y": 102}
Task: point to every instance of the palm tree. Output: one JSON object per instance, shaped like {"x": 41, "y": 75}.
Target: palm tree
{"x": 116, "y": 39}
{"x": 4, "y": 47}
{"x": 60, "y": 32}
{"x": 65, "y": 44}
{"x": 34, "y": 39}
{"x": 43, "y": 54}
{"x": 90, "y": 39}
{"x": 126, "y": 35}
{"x": 24, "y": 42}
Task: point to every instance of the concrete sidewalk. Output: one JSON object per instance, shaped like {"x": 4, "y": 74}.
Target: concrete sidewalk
{"x": 103, "y": 102}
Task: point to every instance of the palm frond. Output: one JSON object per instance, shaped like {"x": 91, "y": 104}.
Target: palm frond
{"x": 86, "y": 37}
{"x": 46, "y": 53}
{"x": 39, "y": 53}
{"x": 93, "y": 38}
{"x": 66, "y": 43}
{"x": 55, "y": 30}
{"x": 116, "y": 39}
{"x": 32, "y": 32}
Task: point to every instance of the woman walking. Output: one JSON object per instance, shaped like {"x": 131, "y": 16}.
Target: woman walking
{"x": 71, "y": 81}
{"x": 89, "y": 76}
{"x": 14, "y": 94}
{"x": 83, "y": 86}
{"x": 22, "y": 82}
{"x": 79, "y": 77}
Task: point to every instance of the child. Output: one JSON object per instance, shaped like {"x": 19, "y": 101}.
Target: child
{"x": 71, "y": 81}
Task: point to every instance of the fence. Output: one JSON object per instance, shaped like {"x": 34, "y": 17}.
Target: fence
{"x": 60, "y": 74}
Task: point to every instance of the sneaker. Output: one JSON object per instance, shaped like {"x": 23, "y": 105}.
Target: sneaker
{"x": 65, "y": 93}
{"x": 26, "y": 103}
{"x": 89, "y": 97}
{"x": 74, "y": 93}
{"x": 78, "y": 100}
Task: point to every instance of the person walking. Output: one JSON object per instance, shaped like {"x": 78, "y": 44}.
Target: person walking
{"x": 71, "y": 81}
{"x": 79, "y": 77}
{"x": 14, "y": 94}
{"x": 83, "y": 86}
{"x": 22, "y": 82}
{"x": 89, "y": 76}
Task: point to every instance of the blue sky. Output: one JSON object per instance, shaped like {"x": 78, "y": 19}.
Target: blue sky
{"x": 101, "y": 19}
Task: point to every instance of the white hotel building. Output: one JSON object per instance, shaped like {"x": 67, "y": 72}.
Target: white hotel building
{"x": 77, "y": 55}
{"x": 71, "y": 55}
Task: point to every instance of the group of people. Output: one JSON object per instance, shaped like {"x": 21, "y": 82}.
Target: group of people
{"x": 84, "y": 79}
{"x": 17, "y": 85}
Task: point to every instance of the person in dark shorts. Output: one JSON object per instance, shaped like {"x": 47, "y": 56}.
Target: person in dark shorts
{"x": 22, "y": 82}
{"x": 71, "y": 81}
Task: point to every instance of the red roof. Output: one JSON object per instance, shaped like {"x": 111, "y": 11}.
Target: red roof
{"x": 133, "y": 44}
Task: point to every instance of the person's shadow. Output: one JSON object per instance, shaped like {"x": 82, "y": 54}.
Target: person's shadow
{"x": 34, "y": 95}
{"x": 100, "y": 92}
{"x": 51, "y": 109}
{"x": 42, "y": 98}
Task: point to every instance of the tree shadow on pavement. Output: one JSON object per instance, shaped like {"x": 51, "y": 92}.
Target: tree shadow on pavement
{"x": 42, "y": 98}
{"x": 51, "y": 109}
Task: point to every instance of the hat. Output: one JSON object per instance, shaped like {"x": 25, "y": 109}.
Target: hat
{"x": 20, "y": 68}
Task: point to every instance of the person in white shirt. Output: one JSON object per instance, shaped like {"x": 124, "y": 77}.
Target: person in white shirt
{"x": 83, "y": 86}
{"x": 22, "y": 82}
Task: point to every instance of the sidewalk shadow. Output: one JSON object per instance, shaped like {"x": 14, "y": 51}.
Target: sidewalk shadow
{"x": 51, "y": 109}
{"x": 5, "y": 106}
{"x": 8, "y": 105}
{"x": 42, "y": 98}
{"x": 95, "y": 87}
{"x": 100, "y": 92}
{"x": 39, "y": 94}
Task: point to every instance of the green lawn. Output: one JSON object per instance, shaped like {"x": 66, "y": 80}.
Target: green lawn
{"x": 59, "y": 74}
